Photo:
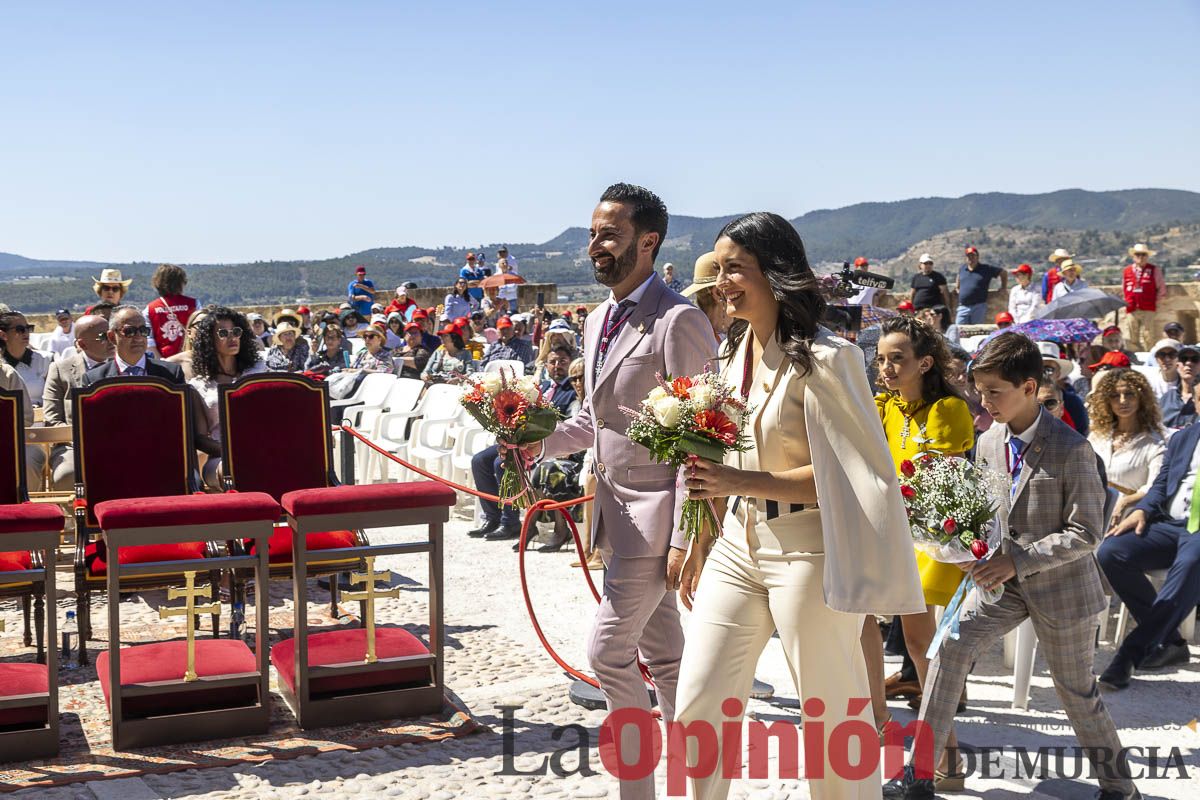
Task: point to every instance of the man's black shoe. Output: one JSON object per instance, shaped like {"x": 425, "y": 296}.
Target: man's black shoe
{"x": 1113, "y": 794}
{"x": 483, "y": 530}
{"x": 504, "y": 532}
{"x": 1118, "y": 673}
{"x": 1166, "y": 655}
{"x": 909, "y": 787}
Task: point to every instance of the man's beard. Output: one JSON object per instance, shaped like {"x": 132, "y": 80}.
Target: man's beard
{"x": 623, "y": 266}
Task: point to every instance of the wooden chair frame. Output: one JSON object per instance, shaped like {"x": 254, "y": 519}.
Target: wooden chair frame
{"x": 38, "y": 742}
{"x": 138, "y": 580}
{"x": 188, "y": 726}
{"x": 31, "y": 590}
{"x": 377, "y": 702}
{"x": 319, "y": 567}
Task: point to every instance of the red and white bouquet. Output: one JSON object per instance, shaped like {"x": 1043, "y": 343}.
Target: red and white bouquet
{"x": 512, "y": 408}
{"x": 686, "y": 416}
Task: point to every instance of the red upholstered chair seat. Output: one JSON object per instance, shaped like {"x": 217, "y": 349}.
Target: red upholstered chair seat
{"x": 367, "y": 497}
{"x": 349, "y": 646}
{"x": 14, "y": 561}
{"x": 18, "y": 679}
{"x": 94, "y": 555}
{"x": 280, "y": 546}
{"x": 167, "y": 661}
{"x": 30, "y": 518}
{"x": 191, "y": 509}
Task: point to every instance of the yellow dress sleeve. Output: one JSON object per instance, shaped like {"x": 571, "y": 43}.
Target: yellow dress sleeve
{"x": 881, "y": 404}
{"x": 950, "y": 428}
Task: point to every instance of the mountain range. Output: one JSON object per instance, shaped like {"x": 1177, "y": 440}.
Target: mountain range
{"x": 883, "y": 232}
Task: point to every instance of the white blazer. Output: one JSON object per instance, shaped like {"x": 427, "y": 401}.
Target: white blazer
{"x": 870, "y": 567}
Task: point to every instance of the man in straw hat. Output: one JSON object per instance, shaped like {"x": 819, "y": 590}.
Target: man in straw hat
{"x": 110, "y": 287}
{"x": 703, "y": 293}
{"x": 1144, "y": 287}
{"x": 1053, "y": 276}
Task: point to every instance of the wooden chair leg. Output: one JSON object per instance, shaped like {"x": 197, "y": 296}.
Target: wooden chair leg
{"x": 26, "y": 607}
{"x": 214, "y": 579}
{"x": 39, "y": 622}
{"x": 334, "y": 593}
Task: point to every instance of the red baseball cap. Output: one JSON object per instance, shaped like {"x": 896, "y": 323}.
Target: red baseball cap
{"x": 1004, "y": 318}
{"x": 860, "y": 262}
{"x": 580, "y": 309}
{"x": 504, "y": 322}
{"x": 567, "y": 314}
{"x": 905, "y": 306}
{"x": 1024, "y": 269}
{"x": 450, "y": 329}
{"x": 461, "y": 322}
{"x": 420, "y": 313}
{"x": 303, "y": 310}
{"x": 360, "y": 270}
{"x": 470, "y": 256}
{"x": 1113, "y": 358}
{"x": 412, "y": 326}
{"x": 1110, "y": 329}
{"x": 972, "y": 249}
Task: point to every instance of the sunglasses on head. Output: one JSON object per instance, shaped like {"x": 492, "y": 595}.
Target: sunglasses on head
{"x": 225, "y": 333}
{"x": 21, "y": 328}
{"x": 134, "y": 330}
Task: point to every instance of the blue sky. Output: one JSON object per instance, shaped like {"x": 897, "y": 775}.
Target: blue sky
{"x": 240, "y": 131}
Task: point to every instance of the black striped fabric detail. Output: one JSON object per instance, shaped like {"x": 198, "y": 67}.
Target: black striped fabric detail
{"x": 773, "y": 507}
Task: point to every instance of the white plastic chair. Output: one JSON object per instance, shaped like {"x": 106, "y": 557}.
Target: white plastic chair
{"x": 469, "y": 439}
{"x": 440, "y": 400}
{"x": 431, "y": 445}
{"x": 510, "y": 367}
{"x": 402, "y": 394}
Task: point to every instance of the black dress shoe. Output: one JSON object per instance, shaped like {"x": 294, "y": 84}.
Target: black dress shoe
{"x": 909, "y": 787}
{"x": 1113, "y": 794}
{"x": 1166, "y": 655}
{"x": 484, "y": 530}
{"x": 1118, "y": 673}
{"x": 504, "y": 532}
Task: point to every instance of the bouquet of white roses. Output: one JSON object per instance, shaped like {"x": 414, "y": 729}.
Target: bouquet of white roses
{"x": 687, "y": 416}
{"x": 512, "y": 408}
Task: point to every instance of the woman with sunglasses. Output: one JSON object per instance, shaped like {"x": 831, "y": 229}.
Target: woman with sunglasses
{"x": 459, "y": 302}
{"x": 1127, "y": 434}
{"x": 374, "y": 357}
{"x": 31, "y": 365}
{"x": 223, "y": 350}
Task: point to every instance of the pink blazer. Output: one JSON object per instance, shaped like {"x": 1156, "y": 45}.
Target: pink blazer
{"x": 637, "y": 501}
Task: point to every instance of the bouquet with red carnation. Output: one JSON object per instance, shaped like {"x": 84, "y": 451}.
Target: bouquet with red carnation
{"x": 687, "y": 416}
{"x": 952, "y": 506}
{"x": 512, "y": 408}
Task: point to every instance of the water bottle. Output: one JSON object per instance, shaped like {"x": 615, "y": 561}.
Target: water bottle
{"x": 70, "y": 640}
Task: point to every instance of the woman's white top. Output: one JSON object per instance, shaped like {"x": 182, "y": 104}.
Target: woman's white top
{"x": 1135, "y": 465}
{"x": 1023, "y": 302}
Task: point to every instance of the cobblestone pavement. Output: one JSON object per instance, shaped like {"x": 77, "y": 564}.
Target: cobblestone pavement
{"x": 494, "y": 660}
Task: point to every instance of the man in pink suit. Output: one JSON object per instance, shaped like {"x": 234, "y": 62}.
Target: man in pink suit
{"x": 642, "y": 329}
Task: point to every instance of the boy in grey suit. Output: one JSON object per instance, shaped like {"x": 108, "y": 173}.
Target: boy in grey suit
{"x": 1046, "y": 563}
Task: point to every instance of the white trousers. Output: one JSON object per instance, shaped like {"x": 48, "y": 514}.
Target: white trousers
{"x": 742, "y": 599}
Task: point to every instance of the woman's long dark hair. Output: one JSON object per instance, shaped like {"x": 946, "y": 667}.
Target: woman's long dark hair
{"x": 780, "y": 253}
{"x": 926, "y": 341}
{"x": 204, "y": 346}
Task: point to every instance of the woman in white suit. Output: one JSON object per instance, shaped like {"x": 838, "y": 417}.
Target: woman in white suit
{"x": 815, "y": 534}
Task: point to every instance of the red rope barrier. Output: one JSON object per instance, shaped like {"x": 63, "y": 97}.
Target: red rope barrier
{"x": 540, "y": 505}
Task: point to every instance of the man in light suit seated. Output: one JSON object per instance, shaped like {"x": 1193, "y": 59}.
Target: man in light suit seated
{"x": 92, "y": 349}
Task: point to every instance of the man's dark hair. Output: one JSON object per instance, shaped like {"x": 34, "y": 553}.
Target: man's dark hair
{"x": 959, "y": 354}
{"x": 169, "y": 279}
{"x": 1012, "y": 356}
{"x": 648, "y": 211}
{"x": 563, "y": 349}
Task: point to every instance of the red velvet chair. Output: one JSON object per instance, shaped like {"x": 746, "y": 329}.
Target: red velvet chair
{"x": 29, "y": 692}
{"x": 31, "y": 590}
{"x": 333, "y": 677}
{"x": 276, "y": 438}
{"x": 182, "y": 691}
{"x": 133, "y": 439}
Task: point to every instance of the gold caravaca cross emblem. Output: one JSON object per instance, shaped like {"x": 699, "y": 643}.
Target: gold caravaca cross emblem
{"x": 190, "y": 592}
{"x": 369, "y": 593}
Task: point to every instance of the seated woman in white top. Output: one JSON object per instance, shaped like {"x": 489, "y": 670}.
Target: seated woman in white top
{"x": 1126, "y": 432}
{"x": 223, "y": 350}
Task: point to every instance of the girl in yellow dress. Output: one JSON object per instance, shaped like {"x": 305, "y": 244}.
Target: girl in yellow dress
{"x": 921, "y": 412}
